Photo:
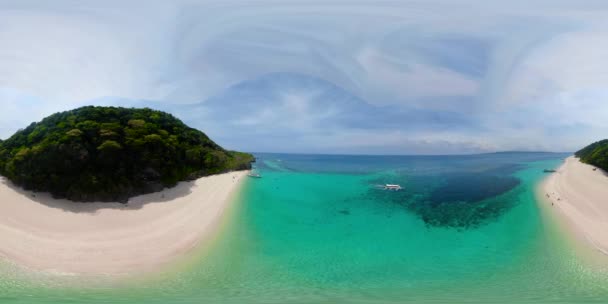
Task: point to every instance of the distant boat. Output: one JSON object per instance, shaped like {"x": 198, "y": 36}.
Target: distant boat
{"x": 393, "y": 187}
{"x": 255, "y": 175}
{"x": 549, "y": 171}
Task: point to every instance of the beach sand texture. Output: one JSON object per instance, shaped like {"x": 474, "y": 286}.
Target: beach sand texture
{"x": 46, "y": 234}
{"x": 579, "y": 192}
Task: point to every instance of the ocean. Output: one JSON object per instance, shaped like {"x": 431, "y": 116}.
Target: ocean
{"x": 321, "y": 229}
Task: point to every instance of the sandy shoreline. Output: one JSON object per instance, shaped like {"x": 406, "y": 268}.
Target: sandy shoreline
{"x": 579, "y": 195}
{"x": 45, "y": 234}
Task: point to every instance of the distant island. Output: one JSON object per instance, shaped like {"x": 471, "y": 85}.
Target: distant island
{"x": 595, "y": 154}
{"x": 111, "y": 154}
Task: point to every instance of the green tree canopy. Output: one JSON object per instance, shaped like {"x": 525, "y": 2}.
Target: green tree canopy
{"x": 111, "y": 153}
{"x": 595, "y": 154}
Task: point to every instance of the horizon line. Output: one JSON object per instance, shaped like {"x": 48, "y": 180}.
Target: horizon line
{"x": 454, "y": 154}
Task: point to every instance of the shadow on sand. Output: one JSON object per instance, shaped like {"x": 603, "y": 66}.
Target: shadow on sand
{"x": 168, "y": 194}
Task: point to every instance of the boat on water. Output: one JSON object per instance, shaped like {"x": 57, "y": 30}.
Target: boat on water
{"x": 549, "y": 171}
{"x": 254, "y": 175}
{"x": 393, "y": 187}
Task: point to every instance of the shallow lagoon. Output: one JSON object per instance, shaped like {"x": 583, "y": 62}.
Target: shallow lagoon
{"x": 316, "y": 229}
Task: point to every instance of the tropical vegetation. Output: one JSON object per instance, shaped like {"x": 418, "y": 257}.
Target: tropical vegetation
{"x": 595, "y": 154}
{"x": 111, "y": 153}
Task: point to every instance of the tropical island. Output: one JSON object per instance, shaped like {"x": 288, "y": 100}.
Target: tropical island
{"x": 111, "y": 154}
{"x": 176, "y": 181}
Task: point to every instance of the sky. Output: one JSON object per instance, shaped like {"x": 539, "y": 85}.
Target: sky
{"x": 354, "y": 77}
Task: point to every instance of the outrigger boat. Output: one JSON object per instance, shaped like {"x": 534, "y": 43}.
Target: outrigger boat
{"x": 253, "y": 174}
{"x": 393, "y": 187}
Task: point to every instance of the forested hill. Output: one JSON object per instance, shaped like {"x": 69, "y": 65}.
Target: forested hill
{"x": 111, "y": 153}
{"x": 595, "y": 154}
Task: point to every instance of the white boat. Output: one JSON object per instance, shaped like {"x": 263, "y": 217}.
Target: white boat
{"x": 392, "y": 187}
{"x": 253, "y": 174}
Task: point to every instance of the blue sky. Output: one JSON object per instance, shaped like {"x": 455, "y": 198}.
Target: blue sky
{"x": 412, "y": 77}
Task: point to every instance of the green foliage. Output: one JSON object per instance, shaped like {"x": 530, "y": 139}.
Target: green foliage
{"x": 109, "y": 145}
{"x": 111, "y": 153}
{"x": 595, "y": 154}
{"x": 74, "y": 133}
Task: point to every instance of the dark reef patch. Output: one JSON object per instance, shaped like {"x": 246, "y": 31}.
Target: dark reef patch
{"x": 461, "y": 200}
{"x": 462, "y": 214}
{"x": 471, "y": 188}
{"x": 456, "y": 191}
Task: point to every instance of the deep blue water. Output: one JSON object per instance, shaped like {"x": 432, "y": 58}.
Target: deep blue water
{"x": 460, "y": 191}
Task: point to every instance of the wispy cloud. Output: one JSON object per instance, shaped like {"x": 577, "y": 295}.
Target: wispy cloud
{"x": 415, "y": 77}
{"x": 411, "y": 80}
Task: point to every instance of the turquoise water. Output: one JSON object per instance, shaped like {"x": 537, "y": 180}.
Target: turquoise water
{"x": 316, "y": 229}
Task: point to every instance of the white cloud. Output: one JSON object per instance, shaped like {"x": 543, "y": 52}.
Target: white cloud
{"x": 573, "y": 61}
{"x": 545, "y": 77}
{"x": 413, "y": 79}
{"x": 80, "y": 54}
{"x": 293, "y": 111}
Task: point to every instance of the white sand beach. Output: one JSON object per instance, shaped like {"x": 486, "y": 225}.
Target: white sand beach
{"x": 579, "y": 194}
{"x": 46, "y": 234}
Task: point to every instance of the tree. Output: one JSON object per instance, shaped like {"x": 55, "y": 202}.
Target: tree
{"x": 111, "y": 153}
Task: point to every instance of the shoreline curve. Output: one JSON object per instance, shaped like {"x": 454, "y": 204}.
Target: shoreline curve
{"x": 150, "y": 231}
{"x": 578, "y": 194}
